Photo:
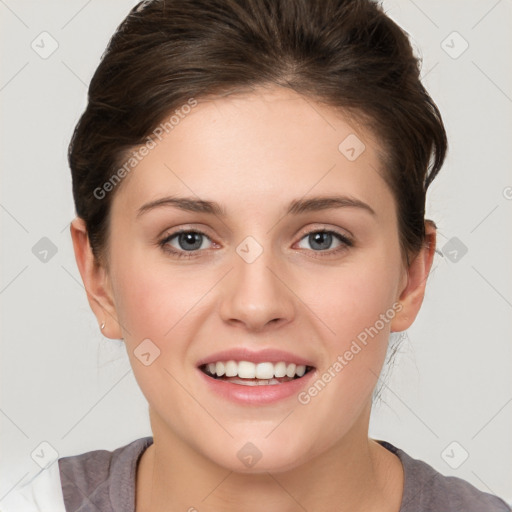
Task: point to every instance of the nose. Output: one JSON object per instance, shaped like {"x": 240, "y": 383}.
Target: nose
{"x": 256, "y": 294}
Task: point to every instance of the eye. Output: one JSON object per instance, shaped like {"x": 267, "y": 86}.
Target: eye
{"x": 188, "y": 243}
{"x": 321, "y": 240}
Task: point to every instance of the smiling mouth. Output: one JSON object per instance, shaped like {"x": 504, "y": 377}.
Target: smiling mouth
{"x": 246, "y": 373}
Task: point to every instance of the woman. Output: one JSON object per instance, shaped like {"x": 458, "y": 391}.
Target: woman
{"x": 249, "y": 181}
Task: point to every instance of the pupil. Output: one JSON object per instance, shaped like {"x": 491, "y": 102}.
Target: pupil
{"x": 318, "y": 238}
{"x": 191, "y": 238}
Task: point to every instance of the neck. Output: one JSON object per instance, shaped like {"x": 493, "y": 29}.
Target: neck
{"x": 357, "y": 474}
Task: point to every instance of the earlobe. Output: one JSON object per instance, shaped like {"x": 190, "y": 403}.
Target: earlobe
{"x": 412, "y": 294}
{"x": 96, "y": 281}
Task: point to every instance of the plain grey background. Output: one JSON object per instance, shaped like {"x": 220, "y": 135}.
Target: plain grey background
{"x": 448, "y": 398}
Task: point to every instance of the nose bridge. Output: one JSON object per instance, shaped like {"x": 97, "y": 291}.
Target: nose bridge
{"x": 255, "y": 295}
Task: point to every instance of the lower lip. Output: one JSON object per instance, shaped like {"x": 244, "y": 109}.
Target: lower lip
{"x": 256, "y": 395}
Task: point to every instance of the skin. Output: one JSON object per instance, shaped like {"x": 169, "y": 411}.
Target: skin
{"x": 253, "y": 153}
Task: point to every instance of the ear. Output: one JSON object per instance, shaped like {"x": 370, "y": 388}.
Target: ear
{"x": 411, "y": 296}
{"x": 96, "y": 281}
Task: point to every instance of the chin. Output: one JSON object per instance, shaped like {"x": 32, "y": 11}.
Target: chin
{"x": 254, "y": 454}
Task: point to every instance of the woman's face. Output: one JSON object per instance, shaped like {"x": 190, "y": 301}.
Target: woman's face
{"x": 257, "y": 281}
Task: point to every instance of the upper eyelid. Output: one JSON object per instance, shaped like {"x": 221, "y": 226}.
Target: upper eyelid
{"x": 336, "y": 231}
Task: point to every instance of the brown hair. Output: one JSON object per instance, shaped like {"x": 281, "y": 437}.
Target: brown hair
{"x": 344, "y": 53}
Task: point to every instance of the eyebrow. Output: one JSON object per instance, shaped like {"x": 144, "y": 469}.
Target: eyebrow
{"x": 296, "y": 207}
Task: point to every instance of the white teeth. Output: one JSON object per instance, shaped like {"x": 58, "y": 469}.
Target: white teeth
{"x": 220, "y": 369}
{"x": 246, "y": 370}
{"x": 290, "y": 370}
{"x": 280, "y": 369}
{"x": 231, "y": 369}
{"x": 249, "y": 382}
{"x": 300, "y": 370}
{"x": 266, "y": 371}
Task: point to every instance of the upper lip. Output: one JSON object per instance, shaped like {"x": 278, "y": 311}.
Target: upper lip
{"x": 260, "y": 356}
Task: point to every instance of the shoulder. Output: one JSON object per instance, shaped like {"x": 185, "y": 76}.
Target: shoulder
{"x": 102, "y": 478}
{"x": 42, "y": 493}
{"x": 427, "y": 489}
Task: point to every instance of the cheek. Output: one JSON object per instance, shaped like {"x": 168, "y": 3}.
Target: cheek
{"x": 153, "y": 298}
{"x": 353, "y": 300}
{"x": 141, "y": 302}
{"x": 359, "y": 307}
{"x": 153, "y": 304}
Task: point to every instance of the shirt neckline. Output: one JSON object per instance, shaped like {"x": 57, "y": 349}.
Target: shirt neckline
{"x": 126, "y": 501}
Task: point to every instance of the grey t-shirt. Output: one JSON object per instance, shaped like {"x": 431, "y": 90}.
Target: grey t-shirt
{"x": 103, "y": 480}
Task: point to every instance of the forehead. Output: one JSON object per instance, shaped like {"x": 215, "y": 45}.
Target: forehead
{"x": 258, "y": 147}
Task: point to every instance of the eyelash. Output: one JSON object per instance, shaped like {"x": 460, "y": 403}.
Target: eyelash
{"x": 346, "y": 242}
